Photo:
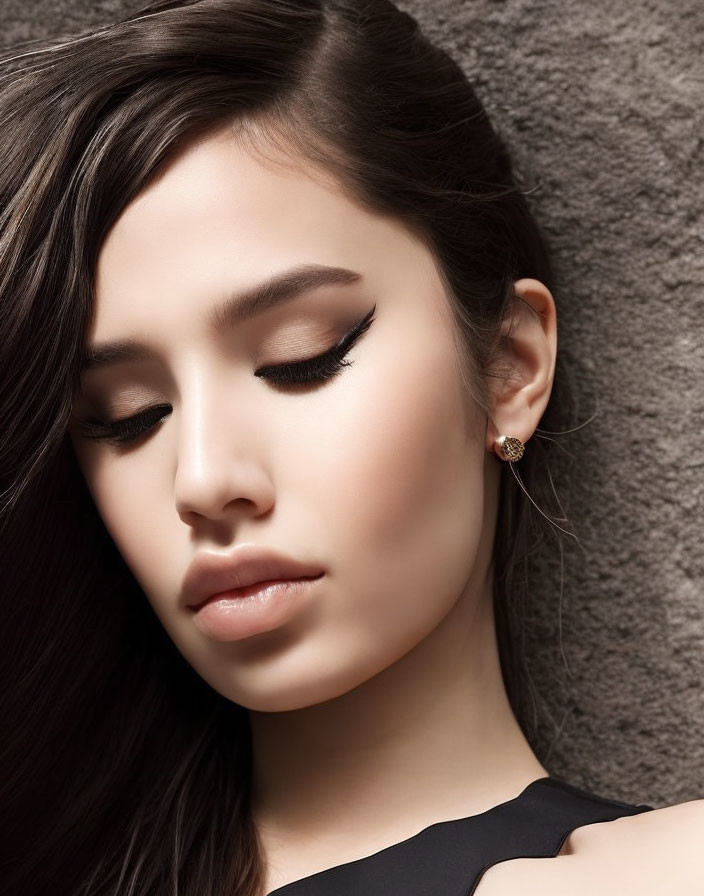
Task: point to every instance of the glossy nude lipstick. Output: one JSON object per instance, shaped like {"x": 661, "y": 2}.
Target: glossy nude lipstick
{"x": 245, "y": 592}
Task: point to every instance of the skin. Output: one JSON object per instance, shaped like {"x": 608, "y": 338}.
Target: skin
{"x": 385, "y": 476}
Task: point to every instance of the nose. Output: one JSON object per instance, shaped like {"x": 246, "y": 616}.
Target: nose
{"x": 219, "y": 465}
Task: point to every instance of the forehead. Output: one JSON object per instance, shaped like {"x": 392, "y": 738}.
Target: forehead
{"x": 211, "y": 190}
{"x": 219, "y": 218}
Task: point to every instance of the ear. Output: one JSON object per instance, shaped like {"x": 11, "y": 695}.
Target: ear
{"x": 525, "y": 364}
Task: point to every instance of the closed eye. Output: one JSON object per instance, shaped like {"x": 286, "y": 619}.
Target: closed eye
{"x": 306, "y": 372}
{"x": 321, "y": 367}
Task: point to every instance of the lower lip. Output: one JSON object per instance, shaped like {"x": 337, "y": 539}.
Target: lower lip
{"x": 242, "y": 612}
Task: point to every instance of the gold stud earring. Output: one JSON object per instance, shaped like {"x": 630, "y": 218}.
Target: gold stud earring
{"x": 509, "y": 448}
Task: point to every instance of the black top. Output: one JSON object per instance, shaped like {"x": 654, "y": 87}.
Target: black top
{"x": 448, "y": 858}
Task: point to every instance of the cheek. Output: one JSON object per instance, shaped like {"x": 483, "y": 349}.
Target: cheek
{"x": 401, "y": 487}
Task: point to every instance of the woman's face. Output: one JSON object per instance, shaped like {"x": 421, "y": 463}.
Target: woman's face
{"x": 375, "y": 476}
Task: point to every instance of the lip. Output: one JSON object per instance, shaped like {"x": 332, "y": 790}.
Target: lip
{"x": 210, "y": 574}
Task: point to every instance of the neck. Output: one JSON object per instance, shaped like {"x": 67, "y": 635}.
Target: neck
{"x": 430, "y": 738}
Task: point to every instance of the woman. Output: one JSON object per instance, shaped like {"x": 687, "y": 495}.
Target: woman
{"x": 278, "y": 332}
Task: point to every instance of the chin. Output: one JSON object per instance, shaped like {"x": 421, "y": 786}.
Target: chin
{"x": 282, "y": 690}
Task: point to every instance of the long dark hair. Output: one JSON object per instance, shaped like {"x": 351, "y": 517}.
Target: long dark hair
{"x": 124, "y": 773}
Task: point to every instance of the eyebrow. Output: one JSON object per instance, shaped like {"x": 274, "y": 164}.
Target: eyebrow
{"x": 278, "y": 289}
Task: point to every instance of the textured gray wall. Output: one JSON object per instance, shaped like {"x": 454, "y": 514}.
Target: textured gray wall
{"x": 601, "y": 103}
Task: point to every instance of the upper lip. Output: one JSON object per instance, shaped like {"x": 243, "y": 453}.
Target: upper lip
{"x": 212, "y": 573}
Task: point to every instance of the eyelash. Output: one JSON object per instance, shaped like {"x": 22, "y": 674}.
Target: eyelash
{"x": 309, "y": 371}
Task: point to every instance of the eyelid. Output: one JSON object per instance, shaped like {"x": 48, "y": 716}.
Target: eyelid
{"x": 339, "y": 347}
{"x": 331, "y": 362}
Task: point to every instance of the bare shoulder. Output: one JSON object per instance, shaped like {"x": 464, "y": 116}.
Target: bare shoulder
{"x": 656, "y": 852}
{"x": 674, "y": 828}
